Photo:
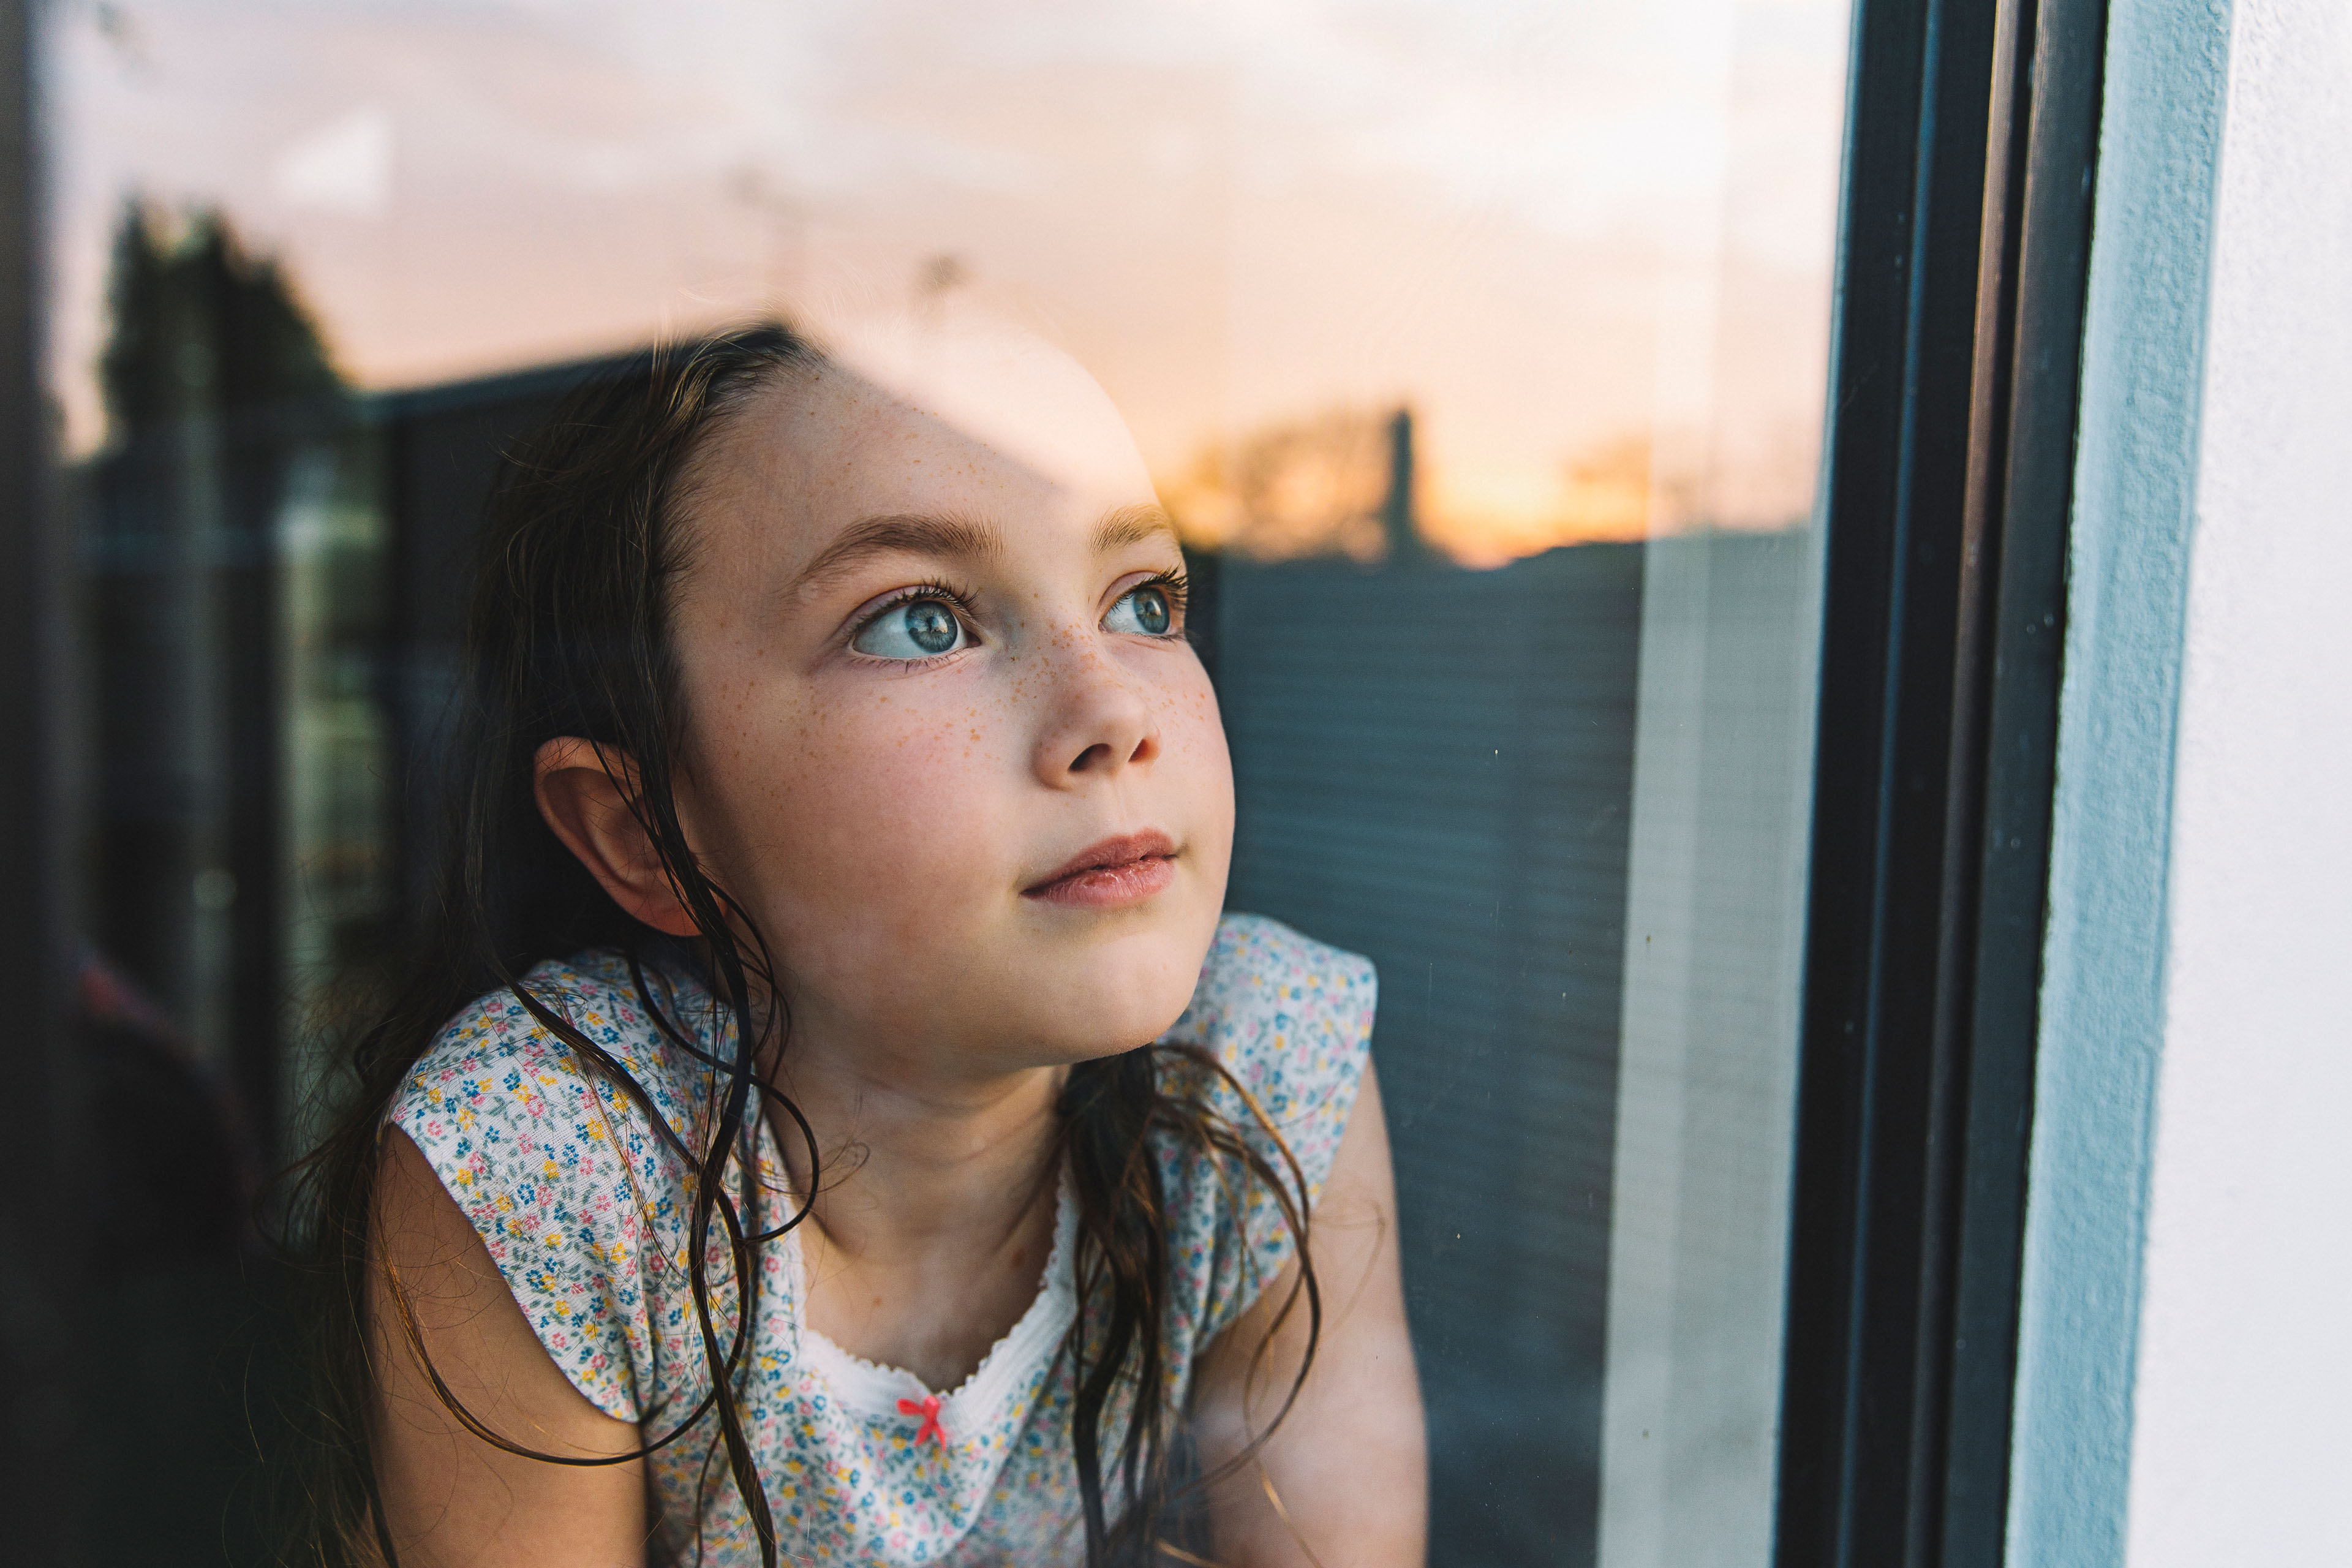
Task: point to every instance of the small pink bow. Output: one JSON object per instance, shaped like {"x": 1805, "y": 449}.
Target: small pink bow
{"x": 930, "y": 1411}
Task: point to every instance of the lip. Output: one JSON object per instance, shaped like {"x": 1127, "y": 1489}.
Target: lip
{"x": 1118, "y": 871}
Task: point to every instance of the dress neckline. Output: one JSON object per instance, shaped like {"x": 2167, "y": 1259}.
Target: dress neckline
{"x": 1004, "y": 1375}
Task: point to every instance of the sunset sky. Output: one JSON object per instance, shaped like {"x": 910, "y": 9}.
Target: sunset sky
{"x": 1581, "y": 238}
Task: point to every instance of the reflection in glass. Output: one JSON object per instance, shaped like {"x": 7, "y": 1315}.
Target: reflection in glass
{"x": 1479, "y": 354}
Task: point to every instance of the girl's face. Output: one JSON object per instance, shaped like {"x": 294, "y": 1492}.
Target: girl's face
{"x": 947, "y": 743}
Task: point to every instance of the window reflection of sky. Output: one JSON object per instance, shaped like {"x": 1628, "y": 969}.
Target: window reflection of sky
{"x": 1554, "y": 228}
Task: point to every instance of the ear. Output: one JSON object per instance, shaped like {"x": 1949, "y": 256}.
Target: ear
{"x": 585, "y": 799}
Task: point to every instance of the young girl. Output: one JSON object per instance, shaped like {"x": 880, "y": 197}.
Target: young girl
{"x": 831, "y": 1121}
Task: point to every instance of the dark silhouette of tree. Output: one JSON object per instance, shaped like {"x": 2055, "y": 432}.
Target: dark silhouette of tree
{"x": 198, "y": 313}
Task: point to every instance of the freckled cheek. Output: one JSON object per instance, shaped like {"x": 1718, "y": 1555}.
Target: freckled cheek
{"x": 902, "y": 823}
{"x": 1194, "y": 726}
{"x": 1195, "y": 736}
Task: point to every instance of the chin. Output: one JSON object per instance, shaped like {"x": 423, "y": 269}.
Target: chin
{"x": 1113, "y": 996}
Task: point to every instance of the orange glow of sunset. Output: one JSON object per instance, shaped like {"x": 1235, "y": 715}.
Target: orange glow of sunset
{"x": 1588, "y": 245}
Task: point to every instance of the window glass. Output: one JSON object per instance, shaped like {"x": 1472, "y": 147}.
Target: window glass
{"x": 1479, "y": 351}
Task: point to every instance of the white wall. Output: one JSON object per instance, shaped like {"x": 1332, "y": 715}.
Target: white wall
{"x": 2242, "y": 1443}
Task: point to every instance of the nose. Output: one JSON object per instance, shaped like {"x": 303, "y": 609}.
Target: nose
{"x": 1098, "y": 725}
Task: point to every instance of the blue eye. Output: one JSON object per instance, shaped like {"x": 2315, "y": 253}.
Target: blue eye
{"x": 1145, "y": 610}
{"x": 913, "y": 628}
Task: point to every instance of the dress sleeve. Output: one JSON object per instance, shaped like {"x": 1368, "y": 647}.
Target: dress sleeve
{"x": 1290, "y": 1021}
{"x": 573, "y": 1191}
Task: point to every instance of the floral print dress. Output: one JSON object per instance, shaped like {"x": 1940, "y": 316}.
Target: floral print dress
{"x": 584, "y": 1204}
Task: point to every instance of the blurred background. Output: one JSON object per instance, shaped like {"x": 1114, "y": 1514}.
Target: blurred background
{"x": 1479, "y": 349}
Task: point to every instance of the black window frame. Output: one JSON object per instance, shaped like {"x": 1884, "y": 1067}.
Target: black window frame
{"x": 1972, "y": 145}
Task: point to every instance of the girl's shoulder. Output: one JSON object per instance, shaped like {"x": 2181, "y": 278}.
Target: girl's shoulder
{"x": 1288, "y": 1023}
{"x": 499, "y": 1054}
{"x": 578, "y": 1196}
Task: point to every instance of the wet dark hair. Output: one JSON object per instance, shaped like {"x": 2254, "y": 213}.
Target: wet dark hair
{"x": 569, "y": 636}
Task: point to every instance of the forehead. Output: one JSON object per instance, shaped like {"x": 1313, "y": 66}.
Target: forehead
{"x": 1010, "y": 433}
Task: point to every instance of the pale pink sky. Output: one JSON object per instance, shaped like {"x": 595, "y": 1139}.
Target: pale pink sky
{"x": 1549, "y": 225}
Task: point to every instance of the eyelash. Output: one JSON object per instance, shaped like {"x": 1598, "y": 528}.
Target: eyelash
{"x": 1173, "y": 582}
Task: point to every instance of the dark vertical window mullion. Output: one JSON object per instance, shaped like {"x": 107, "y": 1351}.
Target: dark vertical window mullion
{"x": 1870, "y": 1077}
{"x": 1818, "y": 1390}
{"x": 2028, "y": 431}
{"x": 1952, "y": 1129}
{"x": 1908, "y": 1065}
{"x": 44, "y": 1455}
{"x": 1959, "y": 310}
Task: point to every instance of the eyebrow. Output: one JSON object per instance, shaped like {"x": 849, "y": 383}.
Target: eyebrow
{"x": 924, "y": 533}
{"x": 899, "y": 533}
{"x": 1133, "y": 525}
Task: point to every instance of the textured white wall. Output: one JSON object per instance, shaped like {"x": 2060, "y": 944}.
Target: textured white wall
{"x": 2242, "y": 1446}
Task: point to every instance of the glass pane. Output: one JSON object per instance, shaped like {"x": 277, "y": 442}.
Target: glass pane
{"x": 1479, "y": 352}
